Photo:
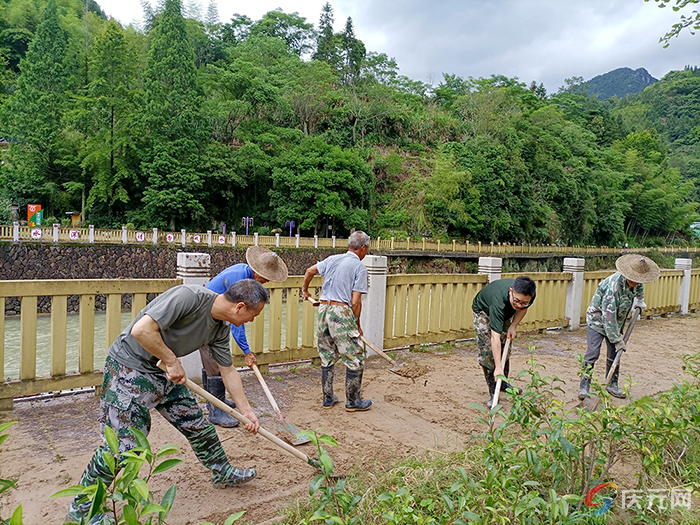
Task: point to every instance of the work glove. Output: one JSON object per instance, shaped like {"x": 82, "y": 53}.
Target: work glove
{"x": 639, "y": 303}
{"x": 620, "y": 346}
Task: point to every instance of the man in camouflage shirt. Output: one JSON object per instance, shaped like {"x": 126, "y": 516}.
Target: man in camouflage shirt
{"x": 345, "y": 280}
{"x": 607, "y": 313}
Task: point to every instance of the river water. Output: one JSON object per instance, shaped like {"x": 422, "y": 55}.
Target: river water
{"x": 43, "y": 340}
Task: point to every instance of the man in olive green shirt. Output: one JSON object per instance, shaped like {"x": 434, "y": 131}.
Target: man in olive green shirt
{"x": 498, "y": 309}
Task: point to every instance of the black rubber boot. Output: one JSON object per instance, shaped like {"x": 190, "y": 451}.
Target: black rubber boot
{"x": 614, "y": 390}
{"x": 210, "y": 453}
{"x": 327, "y": 374}
{"x": 505, "y": 385}
{"x": 353, "y": 385}
{"x": 490, "y": 383}
{"x": 585, "y": 387}
{"x": 215, "y": 386}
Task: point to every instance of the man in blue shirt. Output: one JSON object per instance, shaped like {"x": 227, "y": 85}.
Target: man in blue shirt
{"x": 263, "y": 265}
{"x": 339, "y": 331}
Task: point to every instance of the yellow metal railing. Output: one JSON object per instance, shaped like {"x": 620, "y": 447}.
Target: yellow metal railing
{"x": 58, "y": 290}
{"x": 427, "y": 308}
{"x": 289, "y": 329}
{"x": 661, "y": 296}
{"x": 591, "y": 280}
{"x": 549, "y": 308}
{"x": 694, "y": 303}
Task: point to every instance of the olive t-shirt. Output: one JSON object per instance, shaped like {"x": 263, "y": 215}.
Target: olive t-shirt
{"x": 493, "y": 300}
{"x": 183, "y": 314}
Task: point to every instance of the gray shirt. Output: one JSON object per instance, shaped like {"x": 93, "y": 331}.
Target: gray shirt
{"x": 342, "y": 275}
{"x": 183, "y": 314}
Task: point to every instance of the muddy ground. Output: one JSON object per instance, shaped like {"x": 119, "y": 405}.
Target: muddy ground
{"x": 54, "y": 439}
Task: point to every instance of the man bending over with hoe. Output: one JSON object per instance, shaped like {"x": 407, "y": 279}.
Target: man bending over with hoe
{"x": 607, "y": 313}
{"x": 264, "y": 266}
{"x": 345, "y": 280}
{"x": 173, "y": 325}
{"x": 498, "y": 309}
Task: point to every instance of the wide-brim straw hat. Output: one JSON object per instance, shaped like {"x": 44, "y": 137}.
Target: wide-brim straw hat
{"x": 638, "y": 268}
{"x": 266, "y": 263}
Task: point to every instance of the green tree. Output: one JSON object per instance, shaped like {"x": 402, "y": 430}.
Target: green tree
{"x": 692, "y": 21}
{"x": 175, "y": 193}
{"x": 326, "y": 41}
{"x": 108, "y": 115}
{"x": 294, "y": 30}
{"x": 352, "y": 52}
{"x": 34, "y": 115}
{"x": 316, "y": 182}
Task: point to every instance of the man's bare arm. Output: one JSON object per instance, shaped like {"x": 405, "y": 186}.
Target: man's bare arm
{"x": 311, "y": 272}
{"x": 147, "y": 332}
{"x": 356, "y": 305}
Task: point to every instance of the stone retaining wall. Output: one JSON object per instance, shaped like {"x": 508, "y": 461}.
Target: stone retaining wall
{"x": 66, "y": 261}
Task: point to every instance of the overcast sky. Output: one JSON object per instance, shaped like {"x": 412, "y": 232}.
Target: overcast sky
{"x": 542, "y": 40}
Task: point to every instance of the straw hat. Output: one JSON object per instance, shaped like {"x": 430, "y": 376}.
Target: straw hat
{"x": 638, "y": 268}
{"x": 266, "y": 263}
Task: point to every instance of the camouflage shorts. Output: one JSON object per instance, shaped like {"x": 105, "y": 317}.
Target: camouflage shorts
{"x": 338, "y": 337}
{"x": 128, "y": 395}
{"x": 483, "y": 340}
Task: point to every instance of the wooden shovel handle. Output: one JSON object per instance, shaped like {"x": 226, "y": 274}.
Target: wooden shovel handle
{"x": 633, "y": 320}
{"x": 381, "y": 353}
{"x": 499, "y": 382}
{"x": 263, "y": 384}
{"x": 313, "y": 301}
{"x": 240, "y": 417}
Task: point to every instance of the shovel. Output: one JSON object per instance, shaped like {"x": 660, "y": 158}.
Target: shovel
{"x": 590, "y": 403}
{"x": 635, "y": 315}
{"x": 294, "y": 440}
{"x": 240, "y": 417}
{"x": 504, "y": 358}
{"x": 411, "y": 371}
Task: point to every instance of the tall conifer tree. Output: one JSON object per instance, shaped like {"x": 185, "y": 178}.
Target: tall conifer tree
{"x": 176, "y": 131}
{"x": 34, "y": 114}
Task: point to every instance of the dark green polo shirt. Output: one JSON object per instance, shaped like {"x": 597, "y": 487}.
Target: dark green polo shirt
{"x": 493, "y": 300}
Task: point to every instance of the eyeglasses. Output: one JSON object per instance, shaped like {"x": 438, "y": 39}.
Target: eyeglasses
{"x": 518, "y": 302}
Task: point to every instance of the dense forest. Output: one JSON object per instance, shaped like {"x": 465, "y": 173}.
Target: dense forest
{"x": 190, "y": 122}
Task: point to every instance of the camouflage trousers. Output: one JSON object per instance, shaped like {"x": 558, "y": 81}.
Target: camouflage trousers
{"x": 339, "y": 338}
{"x": 483, "y": 341}
{"x": 125, "y": 400}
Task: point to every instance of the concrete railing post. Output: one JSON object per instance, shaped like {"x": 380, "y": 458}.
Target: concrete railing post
{"x": 277, "y": 240}
{"x": 155, "y": 236}
{"x": 209, "y": 238}
{"x": 183, "y": 237}
{"x": 374, "y": 302}
{"x": 233, "y": 239}
{"x": 574, "y": 291}
{"x": 255, "y": 238}
{"x": 491, "y": 267}
{"x": 56, "y": 229}
{"x": 684, "y": 291}
{"x": 315, "y": 241}
{"x": 193, "y": 268}
{"x": 91, "y": 234}
{"x": 297, "y": 240}
{"x": 124, "y": 235}
{"x": 15, "y": 231}
{"x": 333, "y": 241}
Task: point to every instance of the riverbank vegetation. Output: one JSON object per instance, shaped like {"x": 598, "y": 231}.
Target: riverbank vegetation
{"x": 191, "y": 122}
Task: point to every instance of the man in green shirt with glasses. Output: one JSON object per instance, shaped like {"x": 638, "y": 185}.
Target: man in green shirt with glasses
{"x": 498, "y": 309}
